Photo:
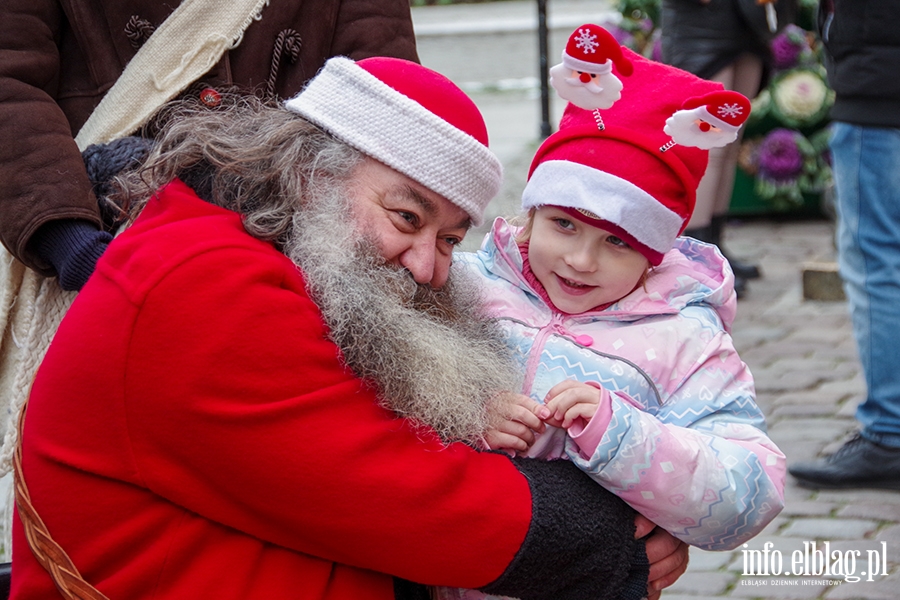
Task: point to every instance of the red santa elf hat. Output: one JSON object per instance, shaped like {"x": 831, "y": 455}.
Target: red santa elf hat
{"x": 410, "y": 118}
{"x": 592, "y": 49}
{"x": 619, "y": 178}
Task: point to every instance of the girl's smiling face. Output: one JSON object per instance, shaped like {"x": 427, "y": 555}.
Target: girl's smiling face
{"x": 579, "y": 265}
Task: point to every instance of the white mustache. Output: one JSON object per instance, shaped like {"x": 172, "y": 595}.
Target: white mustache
{"x": 590, "y": 86}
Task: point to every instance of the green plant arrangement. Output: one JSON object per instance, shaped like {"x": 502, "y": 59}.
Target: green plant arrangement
{"x": 639, "y": 27}
{"x": 785, "y": 148}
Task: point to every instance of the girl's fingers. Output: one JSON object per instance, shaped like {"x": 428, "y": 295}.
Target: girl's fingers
{"x": 563, "y": 402}
{"x": 561, "y": 387}
{"x": 580, "y": 411}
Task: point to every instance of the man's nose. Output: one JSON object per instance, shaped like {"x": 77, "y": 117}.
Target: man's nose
{"x": 421, "y": 261}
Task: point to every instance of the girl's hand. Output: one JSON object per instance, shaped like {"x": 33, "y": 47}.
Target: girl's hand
{"x": 516, "y": 419}
{"x": 570, "y": 400}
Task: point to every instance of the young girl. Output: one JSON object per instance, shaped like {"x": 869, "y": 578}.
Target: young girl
{"x": 621, "y": 327}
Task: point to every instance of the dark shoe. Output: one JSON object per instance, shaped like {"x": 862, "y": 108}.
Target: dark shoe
{"x": 740, "y": 268}
{"x": 740, "y": 286}
{"x": 859, "y": 463}
{"x": 704, "y": 234}
{"x": 713, "y": 235}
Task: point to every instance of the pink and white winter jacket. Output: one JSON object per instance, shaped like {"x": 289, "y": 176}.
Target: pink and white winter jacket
{"x": 684, "y": 442}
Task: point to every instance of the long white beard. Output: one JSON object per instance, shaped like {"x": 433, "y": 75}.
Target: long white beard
{"x": 431, "y": 354}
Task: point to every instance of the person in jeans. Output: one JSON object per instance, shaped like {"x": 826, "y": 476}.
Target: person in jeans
{"x": 862, "y": 40}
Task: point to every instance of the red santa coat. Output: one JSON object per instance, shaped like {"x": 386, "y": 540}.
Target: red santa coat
{"x": 192, "y": 434}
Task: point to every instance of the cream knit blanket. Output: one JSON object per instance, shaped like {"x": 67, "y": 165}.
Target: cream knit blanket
{"x": 186, "y": 45}
{"x": 181, "y": 50}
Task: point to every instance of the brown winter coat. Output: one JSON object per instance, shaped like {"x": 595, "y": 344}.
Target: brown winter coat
{"x": 59, "y": 57}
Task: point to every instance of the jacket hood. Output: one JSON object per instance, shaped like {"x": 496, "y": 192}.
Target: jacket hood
{"x": 691, "y": 273}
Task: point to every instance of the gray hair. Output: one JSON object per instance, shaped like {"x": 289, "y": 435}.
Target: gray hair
{"x": 247, "y": 155}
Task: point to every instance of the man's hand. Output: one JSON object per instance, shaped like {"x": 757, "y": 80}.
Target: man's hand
{"x": 72, "y": 247}
{"x": 570, "y": 400}
{"x": 668, "y": 556}
{"x": 516, "y": 419}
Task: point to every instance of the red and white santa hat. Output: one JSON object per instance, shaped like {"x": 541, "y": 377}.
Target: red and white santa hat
{"x": 410, "y": 118}
{"x": 619, "y": 178}
{"x": 592, "y": 49}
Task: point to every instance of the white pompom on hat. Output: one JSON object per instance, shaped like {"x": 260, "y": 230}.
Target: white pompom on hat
{"x": 410, "y": 118}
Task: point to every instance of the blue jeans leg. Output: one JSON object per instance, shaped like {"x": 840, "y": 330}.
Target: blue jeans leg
{"x": 867, "y": 181}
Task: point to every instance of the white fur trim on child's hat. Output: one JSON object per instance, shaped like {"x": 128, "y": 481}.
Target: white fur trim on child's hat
{"x": 358, "y": 108}
{"x": 611, "y": 198}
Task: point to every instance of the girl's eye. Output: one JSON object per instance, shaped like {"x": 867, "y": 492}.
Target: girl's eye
{"x": 617, "y": 241}
{"x": 564, "y": 223}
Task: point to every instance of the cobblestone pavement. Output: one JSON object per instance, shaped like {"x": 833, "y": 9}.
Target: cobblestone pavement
{"x": 808, "y": 382}
{"x": 801, "y": 352}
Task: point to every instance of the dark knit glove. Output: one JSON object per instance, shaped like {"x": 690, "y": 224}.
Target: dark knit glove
{"x": 580, "y": 545}
{"x": 72, "y": 247}
{"x": 103, "y": 162}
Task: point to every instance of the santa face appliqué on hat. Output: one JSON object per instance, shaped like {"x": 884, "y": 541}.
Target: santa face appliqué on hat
{"x": 709, "y": 121}
{"x": 585, "y": 76}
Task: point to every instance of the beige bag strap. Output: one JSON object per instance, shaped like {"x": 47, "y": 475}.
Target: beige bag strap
{"x": 187, "y": 45}
{"x": 52, "y": 557}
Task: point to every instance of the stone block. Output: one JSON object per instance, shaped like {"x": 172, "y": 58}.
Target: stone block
{"x": 885, "y": 589}
{"x": 860, "y": 496}
{"x": 812, "y": 508}
{"x": 705, "y": 560}
{"x": 881, "y": 511}
{"x": 829, "y": 529}
{"x": 701, "y": 583}
{"x": 821, "y": 281}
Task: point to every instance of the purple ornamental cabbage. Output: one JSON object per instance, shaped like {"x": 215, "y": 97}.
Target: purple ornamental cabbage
{"x": 780, "y": 158}
{"x": 656, "y": 53}
{"x": 788, "y": 46}
{"x": 622, "y": 35}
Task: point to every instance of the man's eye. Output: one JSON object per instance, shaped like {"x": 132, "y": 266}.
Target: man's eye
{"x": 453, "y": 241}
{"x": 409, "y": 217}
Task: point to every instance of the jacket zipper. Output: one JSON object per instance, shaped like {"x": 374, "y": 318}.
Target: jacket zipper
{"x": 534, "y": 355}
